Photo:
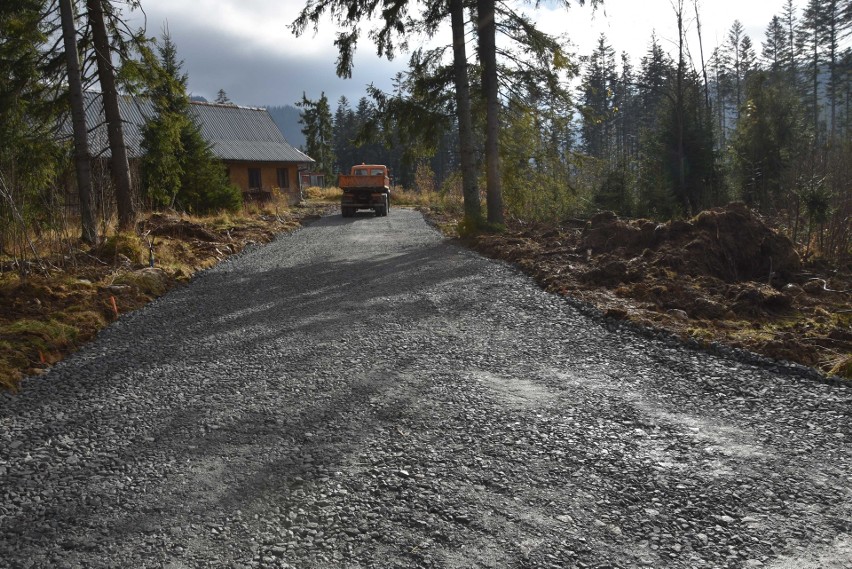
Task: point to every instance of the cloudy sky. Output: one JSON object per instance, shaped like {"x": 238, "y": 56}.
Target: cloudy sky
{"x": 246, "y": 47}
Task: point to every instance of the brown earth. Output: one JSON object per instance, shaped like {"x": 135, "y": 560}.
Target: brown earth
{"x": 724, "y": 276}
{"x": 63, "y": 301}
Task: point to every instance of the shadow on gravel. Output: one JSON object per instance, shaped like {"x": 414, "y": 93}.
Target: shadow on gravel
{"x": 190, "y": 363}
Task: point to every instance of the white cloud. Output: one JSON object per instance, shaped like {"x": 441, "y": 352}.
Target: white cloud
{"x": 247, "y": 48}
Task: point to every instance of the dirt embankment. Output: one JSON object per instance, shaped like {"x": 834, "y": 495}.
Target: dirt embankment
{"x": 723, "y": 276}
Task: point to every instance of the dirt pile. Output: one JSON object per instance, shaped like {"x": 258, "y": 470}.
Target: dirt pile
{"x": 724, "y": 276}
{"x": 730, "y": 243}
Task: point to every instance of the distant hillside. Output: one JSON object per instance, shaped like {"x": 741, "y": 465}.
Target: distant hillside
{"x": 287, "y": 119}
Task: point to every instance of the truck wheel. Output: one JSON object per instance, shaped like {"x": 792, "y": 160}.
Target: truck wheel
{"x": 382, "y": 211}
{"x": 348, "y": 212}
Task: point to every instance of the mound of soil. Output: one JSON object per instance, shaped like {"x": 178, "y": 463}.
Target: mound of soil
{"x": 723, "y": 276}
{"x": 730, "y": 243}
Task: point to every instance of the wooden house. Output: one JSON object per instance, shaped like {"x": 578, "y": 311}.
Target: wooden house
{"x": 254, "y": 152}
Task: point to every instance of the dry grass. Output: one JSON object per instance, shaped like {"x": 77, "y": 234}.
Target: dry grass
{"x": 44, "y": 317}
{"x": 330, "y": 194}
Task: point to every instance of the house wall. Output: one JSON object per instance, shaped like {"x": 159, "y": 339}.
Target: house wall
{"x": 238, "y": 172}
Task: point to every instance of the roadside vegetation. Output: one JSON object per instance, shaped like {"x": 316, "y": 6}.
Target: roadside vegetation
{"x": 53, "y": 303}
{"x": 499, "y": 147}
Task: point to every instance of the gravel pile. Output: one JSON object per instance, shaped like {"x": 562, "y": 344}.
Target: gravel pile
{"x": 362, "y": 393}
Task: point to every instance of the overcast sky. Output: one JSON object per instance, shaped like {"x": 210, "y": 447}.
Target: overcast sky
{"x": 246, "y": 47}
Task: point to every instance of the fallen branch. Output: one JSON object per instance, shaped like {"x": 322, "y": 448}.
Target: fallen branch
{"x": 825, "y": 286}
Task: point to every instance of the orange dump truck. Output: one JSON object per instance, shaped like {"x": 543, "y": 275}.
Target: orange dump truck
{"x": 366, "y": 187}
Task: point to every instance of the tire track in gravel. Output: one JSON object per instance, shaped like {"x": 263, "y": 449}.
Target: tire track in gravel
{"x": 363, "y": 393}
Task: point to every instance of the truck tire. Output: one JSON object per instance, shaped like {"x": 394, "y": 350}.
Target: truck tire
{"x": 348, "y": 211}
{"x": 382, "y": 210}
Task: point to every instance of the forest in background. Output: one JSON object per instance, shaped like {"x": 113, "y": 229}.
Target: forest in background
{"x": 765, "y": 122}
{"x": 519, "y": 124}
{"x": 515, "y": 143}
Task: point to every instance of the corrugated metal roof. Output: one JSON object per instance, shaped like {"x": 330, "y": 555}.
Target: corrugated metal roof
{"x": 235, "y": 133}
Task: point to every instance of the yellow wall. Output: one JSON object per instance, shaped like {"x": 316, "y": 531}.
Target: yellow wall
{"x": 238, "y": 173}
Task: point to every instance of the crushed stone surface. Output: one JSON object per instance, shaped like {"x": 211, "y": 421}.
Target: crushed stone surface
{"x": 364, "y": 393}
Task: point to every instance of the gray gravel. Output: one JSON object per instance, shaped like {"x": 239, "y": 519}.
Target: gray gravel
{"x": 363, "y": 393}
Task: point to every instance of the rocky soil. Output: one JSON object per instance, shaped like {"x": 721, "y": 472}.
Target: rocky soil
{"x": 365, "y": 393}
{"x": 724, "y": 277}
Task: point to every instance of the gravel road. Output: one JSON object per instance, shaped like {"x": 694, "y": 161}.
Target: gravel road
{"x": 364, "y": 393}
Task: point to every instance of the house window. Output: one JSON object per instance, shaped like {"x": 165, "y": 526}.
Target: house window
{"x": 254, "y": 178}
{"x": 283, "y": 178}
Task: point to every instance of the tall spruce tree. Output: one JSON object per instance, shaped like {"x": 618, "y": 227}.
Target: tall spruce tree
{"x": 597, "y": 98}
{"x": 344, "y": 135}
{"x": 318, "y": 128}
{"x": 768, "y": 141}
{"x": 734, "y": 64}
{"x": 30, "y": 157}
{"x": 809, "y": 44}
{"x": 774, "y": 45}
{"x": 179, "y": 168}
{"x": 82, "y": 158}
{"x": 119, "y": 164}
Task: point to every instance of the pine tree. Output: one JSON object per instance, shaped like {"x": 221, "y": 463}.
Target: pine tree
{"x": 832, "y": 27}
{"x": 809, "y": 48}
{"x": 655, "y": 69}
{"x": 30, "y": 158}
{"x": 597, "y": 97}
{"x": 790, "y": 22}
{"x": 774, "y": 46}
{"x": 344, "y": 135}
{"x": 768, "y": 141}
{"x": 733, "y": 62}
{"x": 179, "y": 169}
{"x": 222, "y": 98}
{"x": 319, "y": 132}
{"x": 119, "y": 164}
{"x": 82, "y": 158}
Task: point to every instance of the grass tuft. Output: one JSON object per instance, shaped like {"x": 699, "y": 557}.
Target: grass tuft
{"x": 125, "y": 244}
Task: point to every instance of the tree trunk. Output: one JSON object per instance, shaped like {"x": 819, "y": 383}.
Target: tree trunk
{"x": 470, "y": 188}
{"x": 78, "y": 118}
{"x": 703, "y": 66}
{"x": 680, "y": 114}
{"x": 488, "y": 60}
{"x": 118, "y": 162}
